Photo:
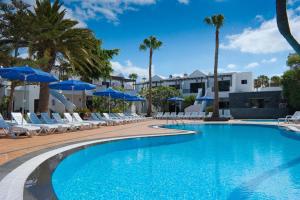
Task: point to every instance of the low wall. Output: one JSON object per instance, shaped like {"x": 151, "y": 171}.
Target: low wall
{"x": 258, "y": 113}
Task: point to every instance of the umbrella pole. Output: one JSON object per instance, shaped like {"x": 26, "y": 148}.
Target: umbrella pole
{"x": 72, "y": 100}
{"x": 24, "y": 99}
{"x": 109, "y": 104}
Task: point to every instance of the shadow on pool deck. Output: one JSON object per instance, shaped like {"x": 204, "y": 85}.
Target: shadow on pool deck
{"x": 245, "y": 190}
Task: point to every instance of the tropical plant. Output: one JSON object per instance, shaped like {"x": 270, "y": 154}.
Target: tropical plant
{"x": 53, "y": 36}
{"x": 133, "y": 77}
{"x": 151, "y": 43}
{"x": 101, "y": 104}
{"x": 160, "y": 96}
{"x": 189, "y": 100}
{"x": 293, "y": 60}
{"x": 291, "y": 87}
{"x": 275, "y": 81}
{"x": 283, "y": 24}
{"x": 261, "y": 81}
{"x": 217, "y": 21}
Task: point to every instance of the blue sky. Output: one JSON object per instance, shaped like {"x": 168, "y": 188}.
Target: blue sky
{"x": 249, "y": 39}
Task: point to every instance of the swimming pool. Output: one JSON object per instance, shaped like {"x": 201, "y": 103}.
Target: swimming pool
{"x": 221, "y": 162}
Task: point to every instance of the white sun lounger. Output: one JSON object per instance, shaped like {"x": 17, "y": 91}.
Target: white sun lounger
{"x": 113, "y": 119}
{"x": 47, "y": 128}
{"x": 291, "y": 118}
{"x": 187, "y": 115}
{"x": 59, "y": 120}
{"x": 79, "y": 119}
{"x": 63, "y": 127}
{"x": 30, "y": 129}
{"x": 109, "y": 121}
{"x": 70, "y": 119}
{"x": 12, "y": 130}
{"x": 166, "y": 115}
{"x": 159, "y": 115}
{"x": 94, "y": 117}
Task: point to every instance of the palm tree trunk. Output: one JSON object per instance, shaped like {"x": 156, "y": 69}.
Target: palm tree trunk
{"x": 12, "y": 90}
{"x": 283, "y": 24}
{"x": 83, "y": 99}
{"x": 149, "y": 110}
{"x": 44, "y": 87}
{"x": 11, "y": 98}
{"x": 216, "y": 84}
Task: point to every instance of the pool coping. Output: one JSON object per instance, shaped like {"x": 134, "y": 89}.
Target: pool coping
{"x": 13, "y": 182}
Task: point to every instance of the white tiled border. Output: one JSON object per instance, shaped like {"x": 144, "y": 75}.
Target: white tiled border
{"x": 12, "y": 185}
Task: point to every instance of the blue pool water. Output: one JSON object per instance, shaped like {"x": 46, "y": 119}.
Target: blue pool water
{"x": 221, "y": 162}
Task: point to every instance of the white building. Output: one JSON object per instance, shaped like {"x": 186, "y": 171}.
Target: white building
{"x": 191, "y": 84}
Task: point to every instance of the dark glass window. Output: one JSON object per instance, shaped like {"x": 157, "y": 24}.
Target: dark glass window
{"x": 257, "y": 103}
{"x": 224, "y": 86}
{"x": 105, "y": 84}
{"x": 195, "y": 86}
{"x": 244, "y": 82}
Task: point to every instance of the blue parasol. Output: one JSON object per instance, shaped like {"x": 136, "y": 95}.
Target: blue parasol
{"x": 26, "y": 74}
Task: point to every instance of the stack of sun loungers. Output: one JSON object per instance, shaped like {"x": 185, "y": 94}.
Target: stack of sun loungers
{"x": 45, "y": 124}
{"x": 189, "y": 115}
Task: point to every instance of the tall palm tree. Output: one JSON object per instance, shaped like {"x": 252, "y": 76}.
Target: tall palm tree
{"x": 283, "y": 24}
{"x": 151, "y": 43}
{"x": 217, "y": 21}
{"x": 53, "y": 35}
{"x": 133, "y": 76}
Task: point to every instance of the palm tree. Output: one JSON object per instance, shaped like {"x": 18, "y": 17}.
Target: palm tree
{"x": 283, "y": 24}
{"x": 53, "y": 35}
{"x": 275, "y": 81}
{"x": 151, "y": 43}
{"x": 217, "y": 21}
{"x": 133, "y": 76}
{"x": 14, "y": 32}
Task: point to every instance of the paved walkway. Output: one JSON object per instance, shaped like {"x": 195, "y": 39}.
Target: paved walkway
{"x": 13, "y": 148}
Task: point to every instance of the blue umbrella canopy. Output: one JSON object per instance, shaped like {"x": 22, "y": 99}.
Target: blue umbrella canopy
{"x": 176, "y": 99}
{"x": 136, "y": 98}
{"x": 205, "y": 98}
{"x": 109, "y": 92}
{"x": 72, "y": 85}
{"x": 28, "y": 74}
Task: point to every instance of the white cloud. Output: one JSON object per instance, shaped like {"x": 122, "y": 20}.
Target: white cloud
{"x": 109, "y": 9}
{"x": 231, "y": 66}
{"x": 129, "y": 68}
{"x": 252, "y": 65}
{"x": 184, "y": 1}
{"x": 272, "y": 60}
{"x": 264, "y": 39}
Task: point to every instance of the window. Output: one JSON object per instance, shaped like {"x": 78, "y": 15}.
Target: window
{"x": 195, "y": 86}
{"x": 244, "y": 82}
{"x": 224, "y": 86}
{"x": 257, "y": 103}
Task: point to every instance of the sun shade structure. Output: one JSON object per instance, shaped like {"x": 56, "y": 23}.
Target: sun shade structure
{"x": 73, "y": 85}
{"x": 26, "y": 74}
{"x": 175, "y": 99}
{"x": 205, "y": 98}
{"x": 110, "y": 93}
